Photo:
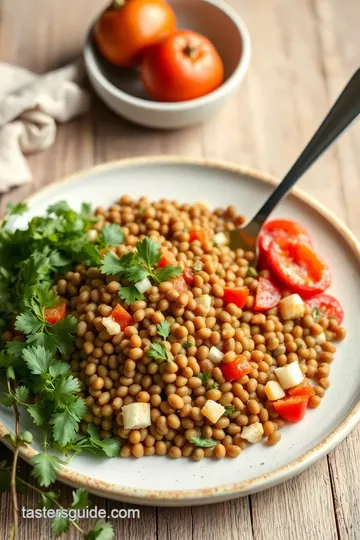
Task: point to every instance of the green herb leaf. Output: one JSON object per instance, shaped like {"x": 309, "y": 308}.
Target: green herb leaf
{"x": 37, "y": 413}
{"x": 80, "y": 499}
{"x": 59, "y": 208}
{"x": 229, "y": 410}
{"x": 130, "y": 294}
{"x": 135, "y": 273}
{"x": 25, "y": 437}
{"x": 28, "y": 323}
{"x": 148, "y": 252}
{"x": 45, "y": 468}
{"x": 66, "y": 423}
{"x": 167, "y": 273}
{"x": 198, "y": 267}
{"x": 64, "y": 331}
{"x": 316, "y": 313}
{"x": 7, "y": 400}
{"x": 21, "y": 394}
{"x": 163, "y": 329}
{"x": 60, "y": 525}
{"x": 38, "y": 359}
{"x": 112, "y": 235}
{"x": 159, "y": 352}
{"x": 111, "y": 265}
{"x": 15, "y": 209}
{"x": 63, "y": 393}
{"x": 203, "y": 442}
{"x": 187, "y": 344}
{"x": 102, "y": 531}
{"x": 252, "y": 272}
{"x": 47, "y": 499}
{"x": 214, "y": 386}
{"x": 111, "y": 447}
{"x": 204, "y": 377}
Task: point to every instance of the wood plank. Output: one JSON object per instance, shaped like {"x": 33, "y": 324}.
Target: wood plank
{"x": 230, "y": 521}
{"x": 174, "y": 523}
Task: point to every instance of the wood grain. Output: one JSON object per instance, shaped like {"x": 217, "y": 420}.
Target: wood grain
{"x": 303, "y": 53}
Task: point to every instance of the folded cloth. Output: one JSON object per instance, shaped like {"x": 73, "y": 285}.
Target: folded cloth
{"x": 30, "y": 106}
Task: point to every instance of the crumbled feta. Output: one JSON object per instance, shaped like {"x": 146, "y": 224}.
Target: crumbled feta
{"x": 215, "y": 355}
{"x": 92, "y": 235}
{"x": 291, "y": 307}
{"x": 136, "y": 415}
{"x": 205, "y": 301}
{"x": 274, "y": 391}
{"x": 220, "y": 239}
{"x": 252, "y": 433}
{"x": 289, "y": 375}
{"x": 143, "y": 285}
{"x": 212, "y": 410}
{"x": 112, "y": 327}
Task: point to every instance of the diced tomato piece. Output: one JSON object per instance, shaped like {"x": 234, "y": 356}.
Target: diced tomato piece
{"x": 237, "y": 296}
{"x": 188, "y": 275}
{"x": 235, "y": 370}
{"x": 167, "y": 258}
{"x": 292, "y": 408}
{"x": 52, "y": 315}
{"x": 302, "y": 389}
{"x": 121, "y": 316}
{"x": 267, "y": 295}
{"x": 281, "y": 228}
{"x": 329, "y": 306}
{"x": 200, "y": 235}
{"x": 298, "y": 267}
{"x": 179, "y": 284}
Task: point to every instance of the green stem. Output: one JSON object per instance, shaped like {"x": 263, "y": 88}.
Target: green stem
{"x": 15, "y": 525}
{"x": 51, "y": 499}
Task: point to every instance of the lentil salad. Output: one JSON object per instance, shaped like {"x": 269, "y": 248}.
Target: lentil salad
{"x": 199, "y": 354}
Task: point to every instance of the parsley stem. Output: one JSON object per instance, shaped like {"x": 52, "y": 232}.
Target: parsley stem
{"x": 15, "y": 525}
{"x": 51, "y": 499}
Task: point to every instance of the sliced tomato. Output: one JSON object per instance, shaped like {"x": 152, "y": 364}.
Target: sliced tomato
{"x": 237, "y": 296}
{"x": 267, "y": 295}
{"x": 179, "y": 284}
{"x": 292, "y": 408}
{"x": 298, "y": 267}
{"x": 121, "y": 316}
{"x": 281, "y": 228}
{"x": 167, "y": 258}
{"x": 199, "y": 235}
{"x": 302, "y": 389}
{"x": 52, "y": 315}
{"x": 329, "y": 306}
{"x": 235, "y": 370}
{"x": 188, "y": 275}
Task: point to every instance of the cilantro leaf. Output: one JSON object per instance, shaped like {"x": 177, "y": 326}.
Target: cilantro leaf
{"x": 47, "y": 499}
{"x": 112, "y": 235}
{"x": 59, "y": 208}
{"x": 60, "y": 525}
{"x": 111, "y": 447}
{"x": 64, "y": 390}
{"x": 214, "y": 386}
{"x": 28, "y": 323}
{"x": 63, "y": 331}
{"x": 130, "y": 294}
{"x": 25, "y": 437}
{"x": 45, "y": 468}
{"x": 159, "y": 352}
{"x": 102, "y": 531}
{"x": 203, "y": 442}
{"x": 21, "y": 393}
{"x": 148, "y": 252}
{"x": 163, "y": 329}
{"x": 59, "y": 368}
{"x": 111, "y": 265}
{"x": 204, "y": 377}
{"x": 78, "y": 408}
{"x": 135, "y": 273}
{"x": 66, "y": 423}
{"x": 229, "y": 410}
{"x": 37, "y": 413}
{"x": 316, "y": 313}
{"x": 187, "y": 344}
{"x": 15, "y": 209}
{"x": 38, "y": 359}
{"x": 6, "y": 399}
{"x": 80, "y": 499}
{"x": 167, "y": 273}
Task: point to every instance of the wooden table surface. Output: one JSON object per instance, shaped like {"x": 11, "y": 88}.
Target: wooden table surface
{"x": 303, "y": 53}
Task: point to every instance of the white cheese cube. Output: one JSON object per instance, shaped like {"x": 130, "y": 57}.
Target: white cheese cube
{"x": 205, "y": 301}
{"x": 221, "y": 239}
{"x": 274, "y": 391}
{"x": 320, "y": 338}
{"x": 112, "y": 327}
{"x": 136, "y": 415}
{"x": 212, "y": 410}
{"x": 215, "y": 355}
{"x": 252, "y": 433}
{"x": 291, "y": 307}
{"x": 143, "y": 285}
{"x": 289, "y": 375}
{"x": 92, "y": 235}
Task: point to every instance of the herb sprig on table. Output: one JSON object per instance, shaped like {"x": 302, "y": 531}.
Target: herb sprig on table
{"x": 35, "y": 376}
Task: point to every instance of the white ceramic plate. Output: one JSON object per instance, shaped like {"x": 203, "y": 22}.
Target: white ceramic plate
{"x": 161, "y": 480}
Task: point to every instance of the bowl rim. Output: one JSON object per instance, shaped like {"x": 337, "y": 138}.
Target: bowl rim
{"x": 230, "y": 84}
{"x": 227, "y": 491}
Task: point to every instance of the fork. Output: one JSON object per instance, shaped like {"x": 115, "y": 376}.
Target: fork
{"x": 342, "y": 113}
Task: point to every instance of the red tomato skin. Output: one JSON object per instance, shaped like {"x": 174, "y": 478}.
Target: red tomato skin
{"x": 199, "y": 235}
{"x": 121, "y": 316}
{"x": 183, "y": 66}
{"x": 302, "y": 389}
{"x": 235, "y": 370}
{"x": 267, "y": 295}
{"x": 179, "y": 284}
{"x": 123, "y": 34}
{"x": 237, "y": 296}
{"x": 298, "y": 267}
{"x": 281, "y": 228}
{"x": 328, "y": 305}
{"x": 52, "y": 315}
{"x": 188, "y": 276}
{"x": 167, "y": 258}
{"x": 292, "y": 408}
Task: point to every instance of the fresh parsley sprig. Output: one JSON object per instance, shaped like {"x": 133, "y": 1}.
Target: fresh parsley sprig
{"x": 159, "y": 351}
{"x": 138, "y": 265}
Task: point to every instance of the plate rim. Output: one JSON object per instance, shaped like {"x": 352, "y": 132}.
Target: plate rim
{"x": 236, "y": 489}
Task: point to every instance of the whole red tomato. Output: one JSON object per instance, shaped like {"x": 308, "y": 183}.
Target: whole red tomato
{"x": 127, "y": 27}
{"x": 182, "y": 66}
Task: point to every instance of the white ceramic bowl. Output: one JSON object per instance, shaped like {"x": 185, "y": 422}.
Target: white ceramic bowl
{"x": 122, "y": 90}
{"x": 163, "y": 481}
